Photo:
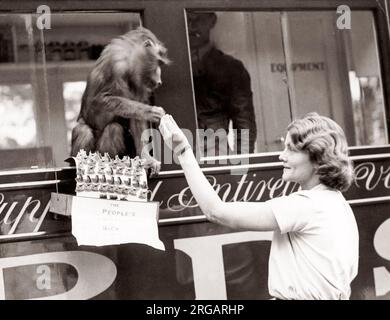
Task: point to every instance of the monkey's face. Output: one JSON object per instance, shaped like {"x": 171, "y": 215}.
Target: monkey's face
{"x": 137, "y": 57}
{"x": 155, "y": 57}
{"x": 151, "y": 73}
{"x": 154, "y": 80}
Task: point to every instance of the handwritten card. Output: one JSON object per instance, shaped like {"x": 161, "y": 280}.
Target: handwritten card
{"x": 99, "y": 222}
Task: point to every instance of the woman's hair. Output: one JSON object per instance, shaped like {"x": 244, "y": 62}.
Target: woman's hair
{"x": 325, "y": 142}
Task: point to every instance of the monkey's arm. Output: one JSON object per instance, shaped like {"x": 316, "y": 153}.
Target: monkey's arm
{"x": 131, "y": 109}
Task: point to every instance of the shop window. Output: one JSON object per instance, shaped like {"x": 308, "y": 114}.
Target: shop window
{"x": 42, "y": 78}
{"x": 18, "y": 128}
{"x": 260, "y": 70}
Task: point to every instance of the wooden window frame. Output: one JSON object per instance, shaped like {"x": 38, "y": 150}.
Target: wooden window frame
{"x": 163, "y": 16}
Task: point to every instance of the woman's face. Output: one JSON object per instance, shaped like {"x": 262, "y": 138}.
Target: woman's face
{"x": 297, "y": 166}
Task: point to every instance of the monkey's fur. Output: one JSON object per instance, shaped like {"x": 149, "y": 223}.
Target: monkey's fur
{"x": 115, "y": 105}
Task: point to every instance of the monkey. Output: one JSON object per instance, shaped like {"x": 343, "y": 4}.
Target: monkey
{"x": 115, "y": 107}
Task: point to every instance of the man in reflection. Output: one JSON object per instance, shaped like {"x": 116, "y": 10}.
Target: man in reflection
{"x": 222, "y": 88}
{"x": 223, "y": 94}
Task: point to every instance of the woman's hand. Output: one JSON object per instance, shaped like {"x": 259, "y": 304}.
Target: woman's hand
{"x": 173, "y": 135}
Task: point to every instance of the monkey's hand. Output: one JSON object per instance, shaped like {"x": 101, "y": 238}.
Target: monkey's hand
{"x": 155, "y": 114}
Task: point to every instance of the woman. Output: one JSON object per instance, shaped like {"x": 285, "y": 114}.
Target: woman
{"x": 314, "y": 251}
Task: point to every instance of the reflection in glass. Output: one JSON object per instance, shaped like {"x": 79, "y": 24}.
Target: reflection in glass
{"x": 23, "y": 98}
{"x": 43, "y": 76}
{"x": 348, "y": 86}
{"x": 297, "y": 62}
{"x": 368, "y": 113}
{"x": 73, "y": 92}
{"x": 363, "y": 64}
{"x": 16, "y": 117}
{"x": 222, "y": 92}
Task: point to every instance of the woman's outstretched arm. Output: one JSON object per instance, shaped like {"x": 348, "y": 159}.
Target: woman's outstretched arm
{"x": 238, "y": 215}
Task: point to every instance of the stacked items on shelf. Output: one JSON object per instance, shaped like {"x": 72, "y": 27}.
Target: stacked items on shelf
{"x": 114, "y": 179}
{"x": 57, "y": 51}
{"x": 69, "y": 50}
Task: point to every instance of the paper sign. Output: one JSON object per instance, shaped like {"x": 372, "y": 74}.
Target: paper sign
{"x": 98, "y": 222}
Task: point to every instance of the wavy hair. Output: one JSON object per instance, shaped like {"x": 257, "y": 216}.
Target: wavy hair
{"x": 325, "y": 142}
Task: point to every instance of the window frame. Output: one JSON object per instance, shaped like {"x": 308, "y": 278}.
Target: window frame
{"x": 162, "y": 16}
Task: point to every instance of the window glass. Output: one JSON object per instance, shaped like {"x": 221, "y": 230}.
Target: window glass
{"x": 42, "y": 78}
{"x": 324, "y": 59}
{"x": 254, "y": 72}
{"x": 73, "y": 92}
{"x": 16, "y": 116}
{"x": 25, "y": 114}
